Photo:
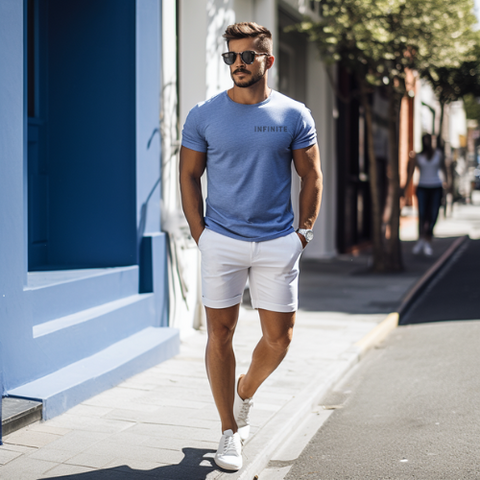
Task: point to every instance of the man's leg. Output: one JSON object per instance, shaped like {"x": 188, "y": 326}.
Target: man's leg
{"x": 220, "y": 361}
{"x": 277, "y": 329}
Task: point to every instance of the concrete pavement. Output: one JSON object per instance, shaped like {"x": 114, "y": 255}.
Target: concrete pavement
{"x": 163, "y": 424}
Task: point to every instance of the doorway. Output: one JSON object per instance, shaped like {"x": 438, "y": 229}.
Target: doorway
{"x": 80, "y": 59}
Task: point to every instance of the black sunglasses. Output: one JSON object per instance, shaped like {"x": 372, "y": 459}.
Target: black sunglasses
{"x": 247, "y": 57}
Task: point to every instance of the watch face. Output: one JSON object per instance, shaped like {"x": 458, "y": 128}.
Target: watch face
{"x": 308, "y": 235}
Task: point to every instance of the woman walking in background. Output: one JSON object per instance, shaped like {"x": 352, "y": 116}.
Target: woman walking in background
{"x": 429, "y": 191}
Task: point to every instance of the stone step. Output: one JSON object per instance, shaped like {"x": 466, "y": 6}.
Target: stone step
{"x": 18, "y": 413}
{"x": 92, "y": 330}
{"x": 50, "y": 293}
{"x": 68, "y": 386}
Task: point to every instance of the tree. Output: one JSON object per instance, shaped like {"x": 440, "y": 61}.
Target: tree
{"x": 451, "y": 83}
{"x": 472, "y": 107}
{"x": 377, "y": 41}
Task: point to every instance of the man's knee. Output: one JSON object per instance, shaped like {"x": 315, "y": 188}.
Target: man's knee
{"x": 221, "y": 324}
{"x": 220, "y": 334}
{"x": 280, "y": 342}
{"x": 277, "y": 329}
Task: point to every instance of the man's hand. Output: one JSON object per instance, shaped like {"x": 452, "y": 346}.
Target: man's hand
{"x": 196, "y": 236}
{"x": 302, "y": 239}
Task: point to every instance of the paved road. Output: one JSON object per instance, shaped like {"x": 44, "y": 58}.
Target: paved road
{"x": 411, "y": 410}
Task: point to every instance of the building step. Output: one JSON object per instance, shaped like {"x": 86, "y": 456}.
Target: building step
{"x": 68, "y": 386}
{"x": 50, "y": 293}
{"x": 18, "y": 413}
{"x": 92, "y": 330}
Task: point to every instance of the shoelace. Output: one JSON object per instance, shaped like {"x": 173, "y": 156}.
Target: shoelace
{"x": 245, "y": 410}
{"x": 229, "y": 447}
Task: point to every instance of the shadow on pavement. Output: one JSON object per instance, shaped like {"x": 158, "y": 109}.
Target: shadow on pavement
{"x": 196, "y": 465}
{"x": 346, "y": 284}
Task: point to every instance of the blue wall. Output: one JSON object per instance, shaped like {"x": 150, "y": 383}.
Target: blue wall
{"x": 13, "y": 260}
{"x": 99, "y": 285}
{"x": 147, "y": 115}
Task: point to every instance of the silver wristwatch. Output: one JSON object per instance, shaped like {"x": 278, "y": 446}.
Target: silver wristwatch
{"x": 307, "y": 233}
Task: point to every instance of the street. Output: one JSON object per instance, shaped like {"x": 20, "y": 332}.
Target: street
{"x": 410, "y": 409}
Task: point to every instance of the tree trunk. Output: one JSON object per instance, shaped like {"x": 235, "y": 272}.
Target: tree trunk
{"x": 440, "y": 128}
{"x": 377, "y": 237}
{"x": 393, "y": 251}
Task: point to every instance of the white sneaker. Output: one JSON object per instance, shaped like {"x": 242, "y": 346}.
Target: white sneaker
{"x": 418, "y": 247}
{"x": 241, "y": 412}
{"x": 229, "y": 453}
{"x": 427, "y": 249}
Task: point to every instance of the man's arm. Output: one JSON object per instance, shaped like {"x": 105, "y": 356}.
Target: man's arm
{"x": 192, "y": 166}
{"x": 307, "y": 164}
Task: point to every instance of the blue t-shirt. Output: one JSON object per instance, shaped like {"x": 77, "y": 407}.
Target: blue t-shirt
{"x": 249, "y": 156}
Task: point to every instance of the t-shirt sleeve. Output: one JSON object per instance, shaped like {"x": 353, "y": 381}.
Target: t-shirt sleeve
{"x": 192, "y": 136}
{"x": 305, "y": 133}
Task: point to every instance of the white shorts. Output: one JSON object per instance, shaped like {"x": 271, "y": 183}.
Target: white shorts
{"x": 271, "y": 268}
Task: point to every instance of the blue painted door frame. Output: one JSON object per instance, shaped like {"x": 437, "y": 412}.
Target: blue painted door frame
{"x": 81, "y": 134}
{"x": 36, "y": 87}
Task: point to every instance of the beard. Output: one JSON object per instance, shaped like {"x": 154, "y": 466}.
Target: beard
{"x": 248, "y": 82}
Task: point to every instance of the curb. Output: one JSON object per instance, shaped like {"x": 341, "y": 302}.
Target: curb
{"x": 378, "y": 334}
{"x": 258, "y": 451}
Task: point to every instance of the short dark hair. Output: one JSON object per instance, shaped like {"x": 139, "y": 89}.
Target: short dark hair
{"x": 250, "y": 30}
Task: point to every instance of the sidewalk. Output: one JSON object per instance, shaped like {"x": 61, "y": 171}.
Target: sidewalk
{"x": 163, "y": 424}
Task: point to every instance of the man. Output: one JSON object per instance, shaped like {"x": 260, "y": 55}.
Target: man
{"x": 246, "y": 138}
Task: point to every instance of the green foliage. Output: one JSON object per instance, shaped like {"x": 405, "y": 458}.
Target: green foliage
{"x": 453, "y": 83}
{"x": 472, "y": 107}
{"x": 377, "y": 40}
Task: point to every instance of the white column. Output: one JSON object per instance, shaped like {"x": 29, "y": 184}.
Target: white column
{"x": 321, "y": 101}
{"x": 265, "y": 14}
{"x": 168, "y": 112}
{"x": 220, "y": 14}
{"x": 185, "y": 306}
{"x": 192, "y": 46}
{"x": 244, "y": 10}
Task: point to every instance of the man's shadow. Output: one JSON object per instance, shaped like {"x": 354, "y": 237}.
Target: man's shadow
{"x": 195, "y": 465}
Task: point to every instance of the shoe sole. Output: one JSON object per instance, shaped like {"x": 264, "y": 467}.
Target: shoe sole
{"x": 227, "y": 466}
